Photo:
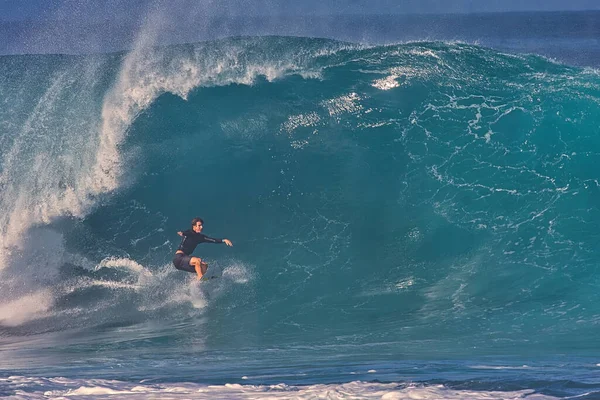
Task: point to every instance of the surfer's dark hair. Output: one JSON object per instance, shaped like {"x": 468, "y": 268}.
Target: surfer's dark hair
{"x": 196, "y": 220}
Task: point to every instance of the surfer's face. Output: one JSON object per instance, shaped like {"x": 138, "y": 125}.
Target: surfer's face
{"x": 197, "y": 227}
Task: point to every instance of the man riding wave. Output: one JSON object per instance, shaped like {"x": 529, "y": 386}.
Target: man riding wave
{"x": 192, "y": 238}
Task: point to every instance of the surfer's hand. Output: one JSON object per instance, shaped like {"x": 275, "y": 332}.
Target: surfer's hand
{"x": 180, "y": 233}
{"x": 227, "y": 242}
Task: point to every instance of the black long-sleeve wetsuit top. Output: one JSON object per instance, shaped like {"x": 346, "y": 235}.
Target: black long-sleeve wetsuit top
{"x": 192, "y": 239}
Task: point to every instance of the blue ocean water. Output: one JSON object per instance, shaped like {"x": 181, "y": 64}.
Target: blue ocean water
{"x": 414, "y": 219}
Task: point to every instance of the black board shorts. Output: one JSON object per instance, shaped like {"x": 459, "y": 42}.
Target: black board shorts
{"x": 182, "y": 262}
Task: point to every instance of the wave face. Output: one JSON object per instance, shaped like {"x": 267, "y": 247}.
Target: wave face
{"x": 426, "y": 198}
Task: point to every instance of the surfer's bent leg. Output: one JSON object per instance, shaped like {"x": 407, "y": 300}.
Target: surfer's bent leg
{"x": 199, "y": 266}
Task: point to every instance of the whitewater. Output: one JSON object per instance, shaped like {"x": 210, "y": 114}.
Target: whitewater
{"x": 409, "y": 220}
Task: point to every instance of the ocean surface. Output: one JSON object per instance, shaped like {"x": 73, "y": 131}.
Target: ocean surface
{"x": 409, "y": 220}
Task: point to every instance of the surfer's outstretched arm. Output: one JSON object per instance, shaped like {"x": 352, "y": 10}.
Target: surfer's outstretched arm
{"x": 208, "y": 239}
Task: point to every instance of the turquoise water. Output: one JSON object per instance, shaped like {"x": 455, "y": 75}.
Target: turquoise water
{"x": 424, "y": 212}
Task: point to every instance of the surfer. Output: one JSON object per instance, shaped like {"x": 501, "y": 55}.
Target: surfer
{"x": 192, "y": 238}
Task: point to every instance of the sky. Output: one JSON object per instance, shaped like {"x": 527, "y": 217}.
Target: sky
{"x": 89, "y": 26}
{"x": 127, "y": 9}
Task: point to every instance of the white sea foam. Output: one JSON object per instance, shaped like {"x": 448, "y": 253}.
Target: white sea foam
{"x": 197, "y": 295}
{"x": 390, "y": 288}
{"x": 405, "y": 283}
{"x": 153, "y": 291}
{"x": 300, "y": 120}
{"x": 238, "y": 273}
{"x": 424, "y": 53}
{"x": 349, "y": 103}
{"x": 499, "y": 367}
{"x": 386, "y": 83}
{"x": 25, "y": 308}
{"x": 298, "y": 144}
{"x": 37, "y": 180}
{"x": 395, "y": 73}
{"x": 54, "y": 388}
{"x": 200, "y": 293}
{"x": 113, "y": 285}
{"x": 125, "y": 263}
